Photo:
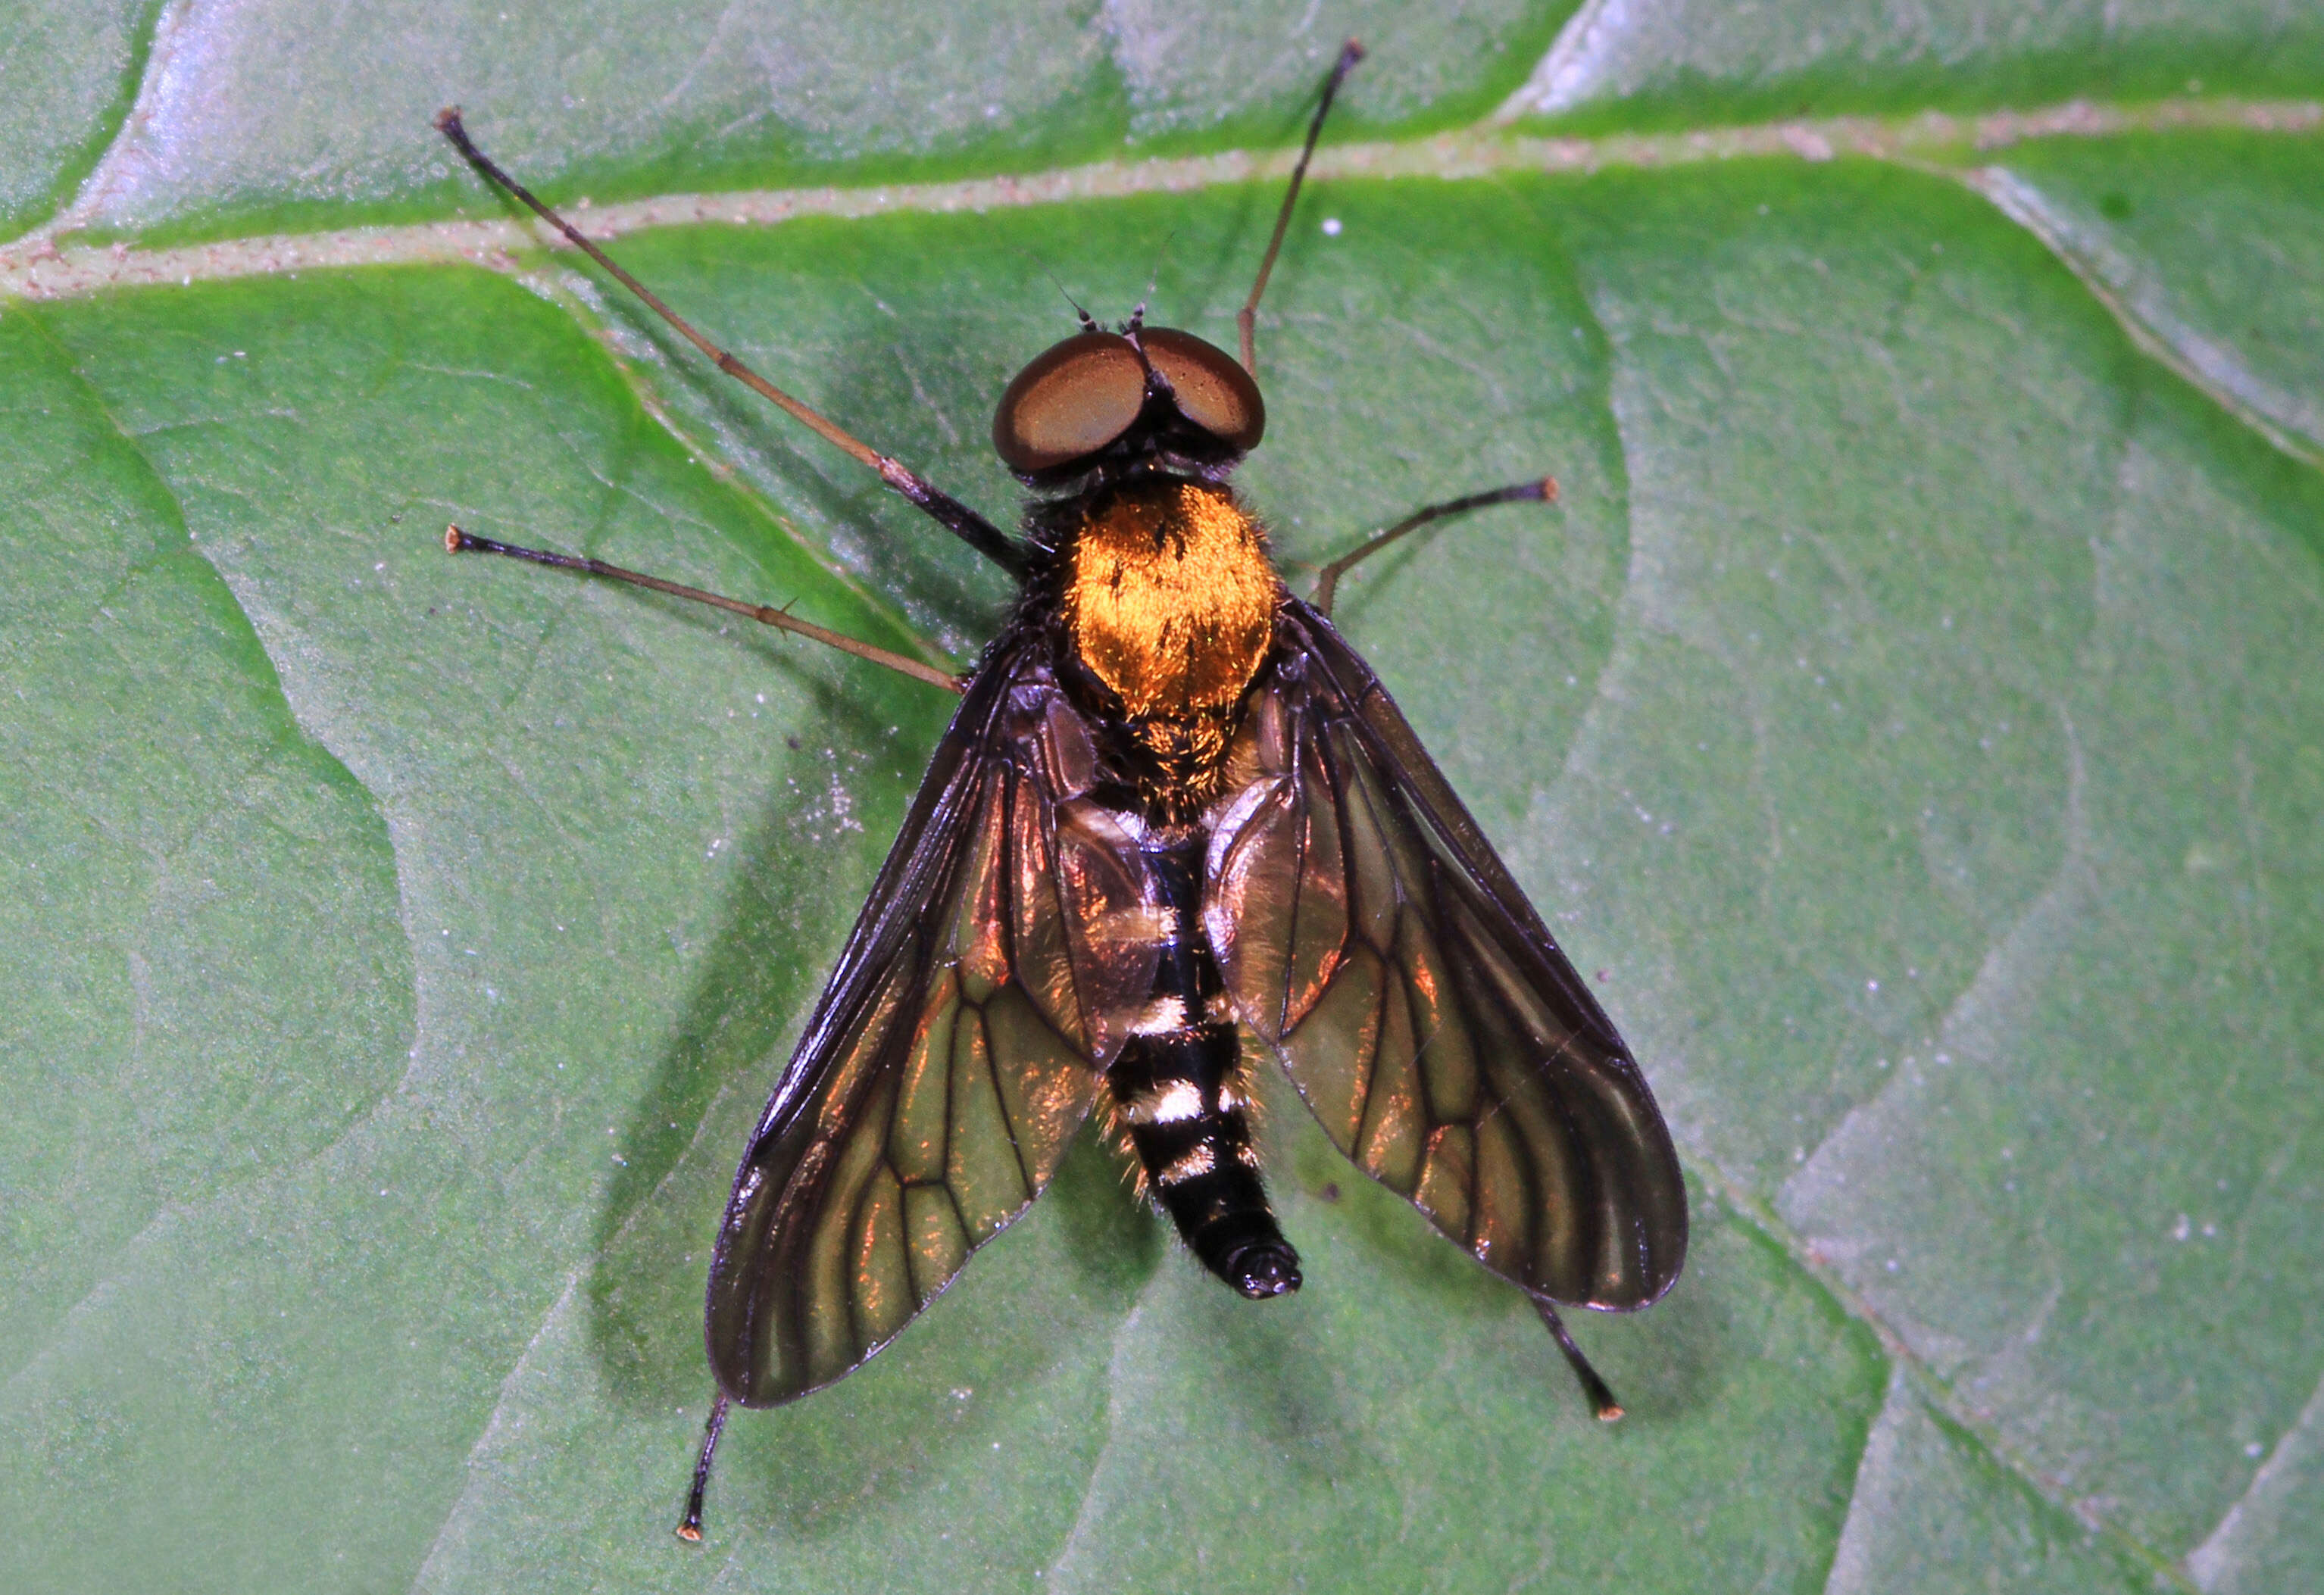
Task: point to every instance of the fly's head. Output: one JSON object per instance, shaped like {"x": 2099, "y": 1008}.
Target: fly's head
{"x": 1102, "y": 408}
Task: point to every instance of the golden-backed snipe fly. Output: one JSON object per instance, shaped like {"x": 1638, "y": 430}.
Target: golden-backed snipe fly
{"x": 1174, "y": 808}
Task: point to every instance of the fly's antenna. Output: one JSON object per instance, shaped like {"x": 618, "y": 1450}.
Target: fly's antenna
{"x": 1064, "y": 294}
{"x": 1247, "y": 317}
{"x": 1160, "y": 256}
{"x": 948, "y": 512}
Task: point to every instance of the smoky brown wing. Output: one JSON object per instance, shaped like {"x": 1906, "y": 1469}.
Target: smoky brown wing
{"x": 934, "y": 1090}
{"x": 1368, "y": 932}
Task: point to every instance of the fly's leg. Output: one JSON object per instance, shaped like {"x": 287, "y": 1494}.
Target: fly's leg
{"x": 457, "y": 542}
{"x": 689, "y": 1528}
{"x": 1600, "y": 1397}
{"x": 1327, "y": 583}
{"x": 1246, "y": 318}
{"x": 947, "y": 511}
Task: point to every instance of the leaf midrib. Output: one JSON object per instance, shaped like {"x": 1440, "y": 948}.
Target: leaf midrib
{"x": 47, "y": 264}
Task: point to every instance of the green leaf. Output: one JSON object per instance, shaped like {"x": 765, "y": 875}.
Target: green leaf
{"x": 67, "y": 76}
{"x": 1905, "y": 718}
{"x": 1682, "y": 63}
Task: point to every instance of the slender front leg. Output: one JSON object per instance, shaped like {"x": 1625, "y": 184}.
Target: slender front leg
{"x": 1246, "y": 318}
{"x": 947, "y": 511}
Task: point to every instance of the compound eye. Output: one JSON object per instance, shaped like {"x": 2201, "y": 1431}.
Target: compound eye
{"x": 1213, "y": 391}
{"x": 1075, "y": 398}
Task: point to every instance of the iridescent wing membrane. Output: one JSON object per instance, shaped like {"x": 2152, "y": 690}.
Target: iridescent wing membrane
{"x": 993, "y": 972}
{"x": 1368, "y": 933}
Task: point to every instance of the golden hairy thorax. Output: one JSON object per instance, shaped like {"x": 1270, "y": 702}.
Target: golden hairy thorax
{"x": 1170, "y": 599}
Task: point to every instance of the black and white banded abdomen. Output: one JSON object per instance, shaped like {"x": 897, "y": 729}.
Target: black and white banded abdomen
{"x": 1178, "y": 1084}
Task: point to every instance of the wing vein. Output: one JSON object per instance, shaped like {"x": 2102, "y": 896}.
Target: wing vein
{"x": 1572, "y": 1188}
{"x": 812, "y": 1272}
